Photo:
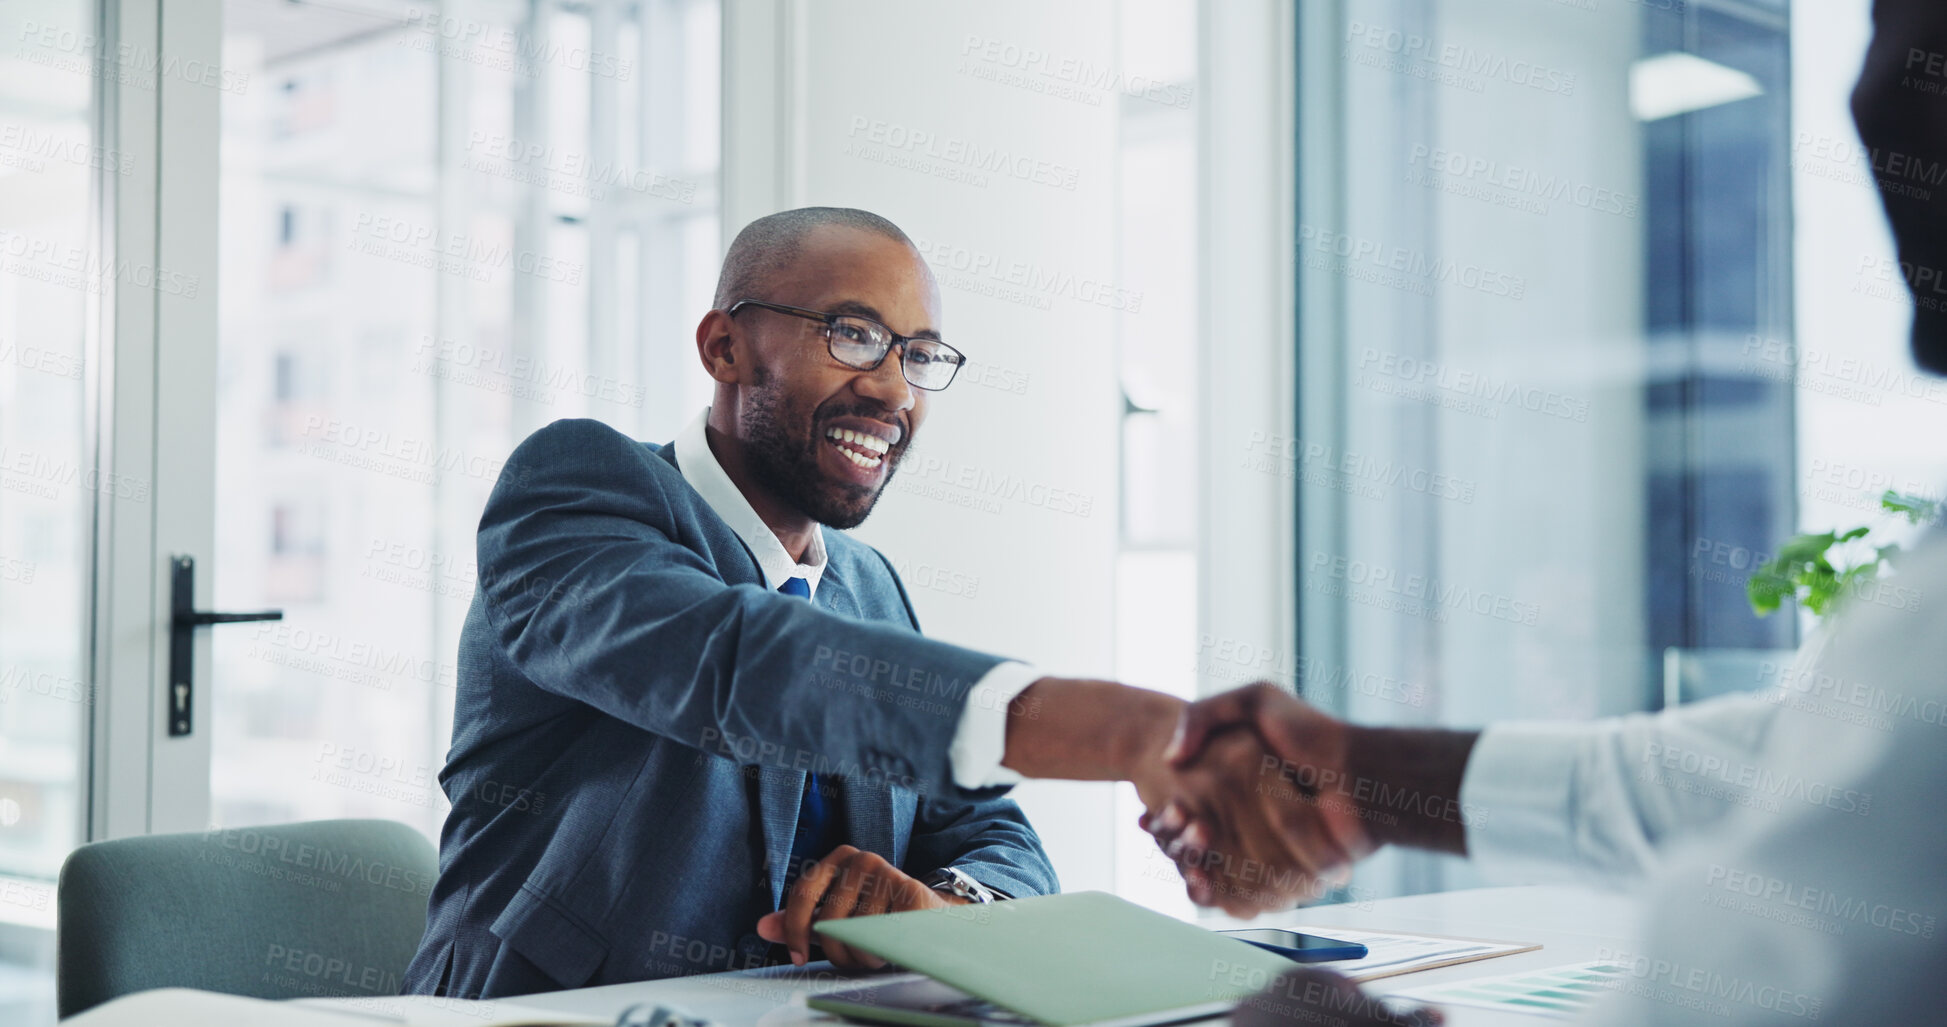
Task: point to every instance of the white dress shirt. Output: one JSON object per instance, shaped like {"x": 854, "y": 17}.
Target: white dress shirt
{"x": 981, "y": 739}
{"x": 1793, "y": 839}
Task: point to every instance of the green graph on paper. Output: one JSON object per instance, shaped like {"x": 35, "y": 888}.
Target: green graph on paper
{"x": 1560, "y": 991}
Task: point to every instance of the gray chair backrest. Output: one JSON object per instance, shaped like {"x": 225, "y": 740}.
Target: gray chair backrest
{"x": 328, "y": 908}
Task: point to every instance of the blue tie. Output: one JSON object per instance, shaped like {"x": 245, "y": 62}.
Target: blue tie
{"x": 811, "y": 842}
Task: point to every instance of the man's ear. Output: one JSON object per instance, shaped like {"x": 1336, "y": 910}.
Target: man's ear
{"x": 718, "y": 347}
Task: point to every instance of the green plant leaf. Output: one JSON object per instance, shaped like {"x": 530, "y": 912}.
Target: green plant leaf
{"x": 1916, "y": 509}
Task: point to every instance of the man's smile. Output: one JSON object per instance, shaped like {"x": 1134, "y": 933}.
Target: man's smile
{"x": 862, "y": 446}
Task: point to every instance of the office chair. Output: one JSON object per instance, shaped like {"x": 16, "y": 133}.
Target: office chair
{"x": 327, "y": 908}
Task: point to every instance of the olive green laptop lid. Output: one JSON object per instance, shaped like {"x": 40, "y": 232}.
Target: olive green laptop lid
{"x": 1068, "y": 960}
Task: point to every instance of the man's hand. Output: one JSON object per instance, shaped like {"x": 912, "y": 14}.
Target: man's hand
{"x": 1309, "y": 995}
{"x": 1247, "y": 832}
{"x": 1342, "y": 773}
{"x": 1300, "y": 785}
{"x": 849, "y": 882}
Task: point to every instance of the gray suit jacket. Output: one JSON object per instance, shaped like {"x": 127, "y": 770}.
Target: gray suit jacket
{"x": 637, "y": 712}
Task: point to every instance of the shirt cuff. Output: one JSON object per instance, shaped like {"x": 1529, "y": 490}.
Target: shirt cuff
{"x": 1519, "y": 795}
{"x": 981, "y": 739}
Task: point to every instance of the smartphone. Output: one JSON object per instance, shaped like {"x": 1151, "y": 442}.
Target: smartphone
{"x": 1305, "y": 948}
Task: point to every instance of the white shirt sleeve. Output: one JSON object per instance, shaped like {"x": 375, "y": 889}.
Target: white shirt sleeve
{"x": 1597, "y": 802}
{"x": 1823, "y": 904}
{"x": 981, "y": 739}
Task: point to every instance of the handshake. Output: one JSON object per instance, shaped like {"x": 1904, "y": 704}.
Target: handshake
{"x": 1262, "y": 801}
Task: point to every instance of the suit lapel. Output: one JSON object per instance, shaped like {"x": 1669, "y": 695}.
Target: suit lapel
{"x": 780, "y": 793}
{"x": 872, "y": 810}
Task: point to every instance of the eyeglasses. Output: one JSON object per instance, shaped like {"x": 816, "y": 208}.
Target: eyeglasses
{"x": 862, "y": 343}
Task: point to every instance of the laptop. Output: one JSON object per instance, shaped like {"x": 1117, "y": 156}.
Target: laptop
{"x": 1083, "y": 959}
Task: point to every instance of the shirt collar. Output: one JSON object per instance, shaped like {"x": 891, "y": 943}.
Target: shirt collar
{"x": 700, "y": 468}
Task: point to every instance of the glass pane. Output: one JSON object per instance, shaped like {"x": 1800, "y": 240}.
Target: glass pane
{"x": 51, "y": 283}
{"x": 50, "y": 279}
{"x": 1616, "y": 321}
{"x": 396, "y": 316}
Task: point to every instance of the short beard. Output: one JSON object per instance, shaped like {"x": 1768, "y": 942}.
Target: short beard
{"x": 788, "y": 465}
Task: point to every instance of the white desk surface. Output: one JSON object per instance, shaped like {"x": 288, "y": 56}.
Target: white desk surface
{"x": 1572, "y": 926}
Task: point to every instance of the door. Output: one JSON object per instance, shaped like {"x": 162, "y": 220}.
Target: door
{"x": 440, "y": 228}
{"x": 107, "y": 323}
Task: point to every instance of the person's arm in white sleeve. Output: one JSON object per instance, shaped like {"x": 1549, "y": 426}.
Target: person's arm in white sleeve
{"x": 1597, "y": 802}
{"x": 1826, "y": 904}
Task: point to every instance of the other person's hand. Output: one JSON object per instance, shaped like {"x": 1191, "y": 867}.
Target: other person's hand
{"x": 1347, "y": 789}
{"x": 1245, "y": 836}
{"x": 1311, "y": 996}
{"x": 847, "y": 883}
{"x": 1263, "y": 816}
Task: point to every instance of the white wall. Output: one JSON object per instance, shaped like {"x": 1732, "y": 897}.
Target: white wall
{"x": 892, "y": 107}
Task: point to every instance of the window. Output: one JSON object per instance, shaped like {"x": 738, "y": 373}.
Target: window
{"x": 1566, "y": 272}
{"x": 436, "y": 237}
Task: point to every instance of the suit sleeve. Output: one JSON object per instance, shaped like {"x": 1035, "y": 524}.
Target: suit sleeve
{"x": 990, "y": 840}
{"x": 598, "y": 591}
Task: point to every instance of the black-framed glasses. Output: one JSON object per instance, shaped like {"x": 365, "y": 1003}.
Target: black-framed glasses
{"x": 862, "y": 343}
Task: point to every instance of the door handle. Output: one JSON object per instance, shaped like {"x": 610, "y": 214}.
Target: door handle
{"x": 184, "y": 619}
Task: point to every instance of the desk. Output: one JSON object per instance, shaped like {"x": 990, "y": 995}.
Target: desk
{"x": 1572, "y": 926}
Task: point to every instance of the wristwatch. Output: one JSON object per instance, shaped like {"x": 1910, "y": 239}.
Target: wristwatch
{"x": 954, "y": 881}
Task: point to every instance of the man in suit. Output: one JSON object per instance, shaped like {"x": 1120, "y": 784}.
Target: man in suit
{"x": 660, "y": 738}
{"x": 690, "y": 720}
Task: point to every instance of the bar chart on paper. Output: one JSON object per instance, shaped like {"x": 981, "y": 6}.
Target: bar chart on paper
{"x": 1561, "y": 991}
